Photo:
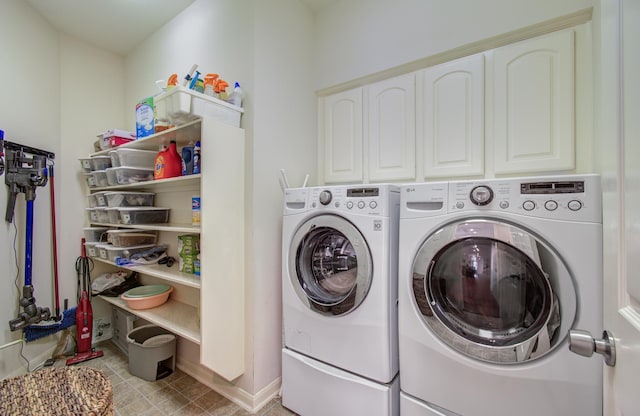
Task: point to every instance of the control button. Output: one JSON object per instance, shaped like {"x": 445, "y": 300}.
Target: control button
{"x": 504, "y": 204}
{"x": 325, "y": 197}
{"x": 551, "y": 205}
{"x": 373, "y": 204}
{"x": 459, "y": 204}
{"x": 360, "y": 204}
{"x": 337, "y": 204}
{"x": 350, "y": 204}
{"x": 575, "y": 205}
{"x": 528, "y": 205}
{"x": 481, "y": 195}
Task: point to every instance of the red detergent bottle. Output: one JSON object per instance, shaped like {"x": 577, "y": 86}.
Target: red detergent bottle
{"x": 168, "y": 163}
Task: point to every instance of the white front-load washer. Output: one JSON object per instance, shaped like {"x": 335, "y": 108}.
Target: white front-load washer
{"x": 492, "y": 276}
{"x": 339, "y": 296}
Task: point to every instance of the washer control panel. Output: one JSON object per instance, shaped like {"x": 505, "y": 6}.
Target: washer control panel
{"x": 571, "y": 197}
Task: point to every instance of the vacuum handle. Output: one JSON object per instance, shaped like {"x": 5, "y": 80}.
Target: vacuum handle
{"x": 83, "y": 249}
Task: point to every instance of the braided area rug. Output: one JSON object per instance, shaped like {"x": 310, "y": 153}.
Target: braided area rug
{"x": 62, "y": 391}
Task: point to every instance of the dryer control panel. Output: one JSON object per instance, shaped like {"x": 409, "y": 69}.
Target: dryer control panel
{"x": 575, "y": 197}
{"x": 376, "y": 200}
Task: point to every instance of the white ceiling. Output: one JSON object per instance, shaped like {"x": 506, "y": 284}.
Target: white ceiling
{"x": 119, "y": 25}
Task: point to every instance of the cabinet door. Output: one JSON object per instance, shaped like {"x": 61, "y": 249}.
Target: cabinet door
{"x": 343, "y": 137}
{"x": 533, "y": 105}
{"x": 391, "y": 123}
{"x": 453, "y": 118}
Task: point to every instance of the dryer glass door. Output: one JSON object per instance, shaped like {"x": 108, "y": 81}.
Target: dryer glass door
{"x": 332, "y": 265}
{"x": 486, "y": 292}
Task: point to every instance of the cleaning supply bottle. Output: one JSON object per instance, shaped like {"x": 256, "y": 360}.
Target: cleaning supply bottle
{"x": 235, "y": 97}
{"x": 187, "y": 159}
{"x": 196, "y": 158}
{"x": 168, "y": 163}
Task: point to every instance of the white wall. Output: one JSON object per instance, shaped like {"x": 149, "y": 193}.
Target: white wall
{"x": 267, "y": 47}
{"x": 284, "y": 138}
{"x": 58, "y": 94}
{"x": 30, "y": 115}
{"x": 356, "y": 38}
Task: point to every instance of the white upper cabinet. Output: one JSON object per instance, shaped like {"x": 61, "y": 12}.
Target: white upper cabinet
{"x": 343, "y": 140}
{"x": 507, "y": 110}
{"x": 533, "y": 96}
{"x": 451, "y": 117}
{"x": 391, "y": 134}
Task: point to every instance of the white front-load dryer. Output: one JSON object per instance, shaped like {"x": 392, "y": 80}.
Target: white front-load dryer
{"x": 492, "y": 276}
{"x": 339, "y": 296}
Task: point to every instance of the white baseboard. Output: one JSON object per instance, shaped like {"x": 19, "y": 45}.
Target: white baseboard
{"x": 244, "y": 399}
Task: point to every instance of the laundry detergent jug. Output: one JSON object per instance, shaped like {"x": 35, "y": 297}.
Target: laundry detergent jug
{"x": 168, "y": 163}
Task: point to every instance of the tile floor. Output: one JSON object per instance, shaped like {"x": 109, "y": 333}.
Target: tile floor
{"x": 177, "y": 394}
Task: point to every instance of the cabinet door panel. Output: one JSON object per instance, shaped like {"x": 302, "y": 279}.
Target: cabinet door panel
{"x": 343, "y": 137}
{"x": 392, "y": 129}
{"x": 453, "y": 118}
{"x": 533, "y": 109}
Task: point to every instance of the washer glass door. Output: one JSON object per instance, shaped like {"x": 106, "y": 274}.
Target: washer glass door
{"x": 332, "y": 263}
{"x": 481, "y": 287}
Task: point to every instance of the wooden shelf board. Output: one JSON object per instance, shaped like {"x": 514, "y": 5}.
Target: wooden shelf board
{"x": 179, "y": 318}
{"x": 170, "y": 274}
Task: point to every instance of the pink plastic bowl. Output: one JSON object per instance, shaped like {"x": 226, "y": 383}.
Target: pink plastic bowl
{"x": 147, "y": 302}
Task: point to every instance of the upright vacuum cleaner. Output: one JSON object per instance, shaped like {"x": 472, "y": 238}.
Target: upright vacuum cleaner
{"x": 84, "y": 312}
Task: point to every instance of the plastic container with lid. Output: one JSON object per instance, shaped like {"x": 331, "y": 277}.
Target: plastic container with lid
{"x": 134, "y": 158}
{"x": 126, "y": 175}
{"x": 130, "y": 238}
{"x": 129, "y": 199}
{"x": 100, "y": 177}
{"x": 94, "y": 234}
{"x": 144, "y": 215}
{"x": 123, "y": 252}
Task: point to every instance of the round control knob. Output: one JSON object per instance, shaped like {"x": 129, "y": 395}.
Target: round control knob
{"x": 481, "y": 195}
{"x": 373, "y": 204}
{"x": 551, "y": 205}
{"x": 528, "y": 205}
{"x": 360, "y": 204}
{"x": 575, "y": 205}
{"x": 325, "y": 197}
{"x": 504, "y": 204}
{"x": 350, "y": 204}
{"x": 459, "y": 204}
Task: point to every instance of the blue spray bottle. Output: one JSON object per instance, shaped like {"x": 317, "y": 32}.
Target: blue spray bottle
{"x": 196, "y": 158}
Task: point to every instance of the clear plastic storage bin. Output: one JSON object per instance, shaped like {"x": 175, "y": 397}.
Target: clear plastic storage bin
{"x": 102, "y": 250}
{"x": 87, "y": 164}
{"x": 90, "y": 248}
{"x": 129, "y": 199}
{"x": 127, "y": 174}
{"x": 92, "y": 200}
{"x": 124, "y": 252}
{"x": 144, "y": 215}
{"x": 134, "y": 158}
{"x": 100, "y": 177}
{"x": 93, "y": 234}
{"x": 130, "y": 238}
{"x": 100, "y": 162}
{"x": 91, "y": 181}
{"x": 112, "y": 178}
{"x": 114, "y": 215}
{"x": 98, "y": 215}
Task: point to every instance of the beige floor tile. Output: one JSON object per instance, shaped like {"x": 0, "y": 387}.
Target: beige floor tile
{"x": 177, "y": 394}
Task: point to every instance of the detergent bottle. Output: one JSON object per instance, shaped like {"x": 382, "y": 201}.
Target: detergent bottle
{"x": 168, "y": 162}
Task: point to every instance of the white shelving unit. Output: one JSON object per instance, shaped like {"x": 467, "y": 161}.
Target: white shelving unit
{"x": 207, "y": 310}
